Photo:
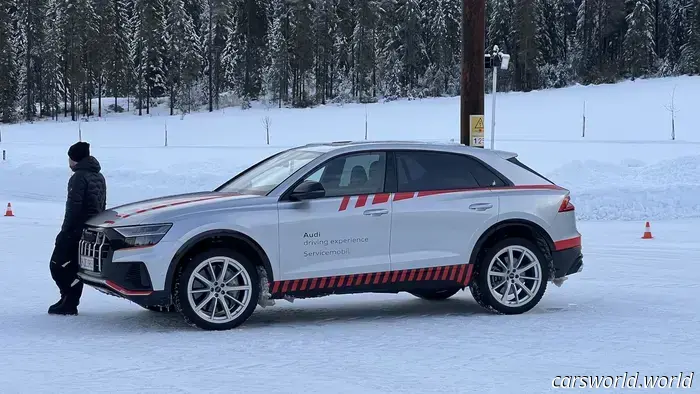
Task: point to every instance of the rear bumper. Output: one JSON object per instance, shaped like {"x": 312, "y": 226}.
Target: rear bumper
{"x": 567, "y": 261}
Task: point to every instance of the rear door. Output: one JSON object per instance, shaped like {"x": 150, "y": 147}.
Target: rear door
{"x": 441, "y": 206}
{"x": 345, "y": 232}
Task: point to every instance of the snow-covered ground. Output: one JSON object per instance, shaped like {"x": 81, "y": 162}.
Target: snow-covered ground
{"x": 632, "y": 309}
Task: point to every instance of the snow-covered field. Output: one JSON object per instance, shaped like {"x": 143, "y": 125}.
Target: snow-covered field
{"x": 632, "y": 309}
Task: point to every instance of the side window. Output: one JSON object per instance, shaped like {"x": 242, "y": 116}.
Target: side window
{"x": 356, "y": 174}
{"x": 316, "y": 176}
{"x": 420, "y": 171}
{"x": 484, "y": 176}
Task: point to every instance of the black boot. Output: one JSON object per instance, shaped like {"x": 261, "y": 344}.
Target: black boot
{"x": 56, "y": 306}
{"x": 63, "y": 308}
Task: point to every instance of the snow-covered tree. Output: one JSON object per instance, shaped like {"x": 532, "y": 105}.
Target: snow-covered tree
{"x": 8, "y": 66}
{"x": 183, "y": 56}
{"x": 690, "y": 50}
{"x": 639, "y": 46}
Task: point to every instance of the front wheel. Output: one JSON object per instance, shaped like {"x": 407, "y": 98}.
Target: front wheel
{"x": 511, "y": 277}
{"x": 217, "y": 290}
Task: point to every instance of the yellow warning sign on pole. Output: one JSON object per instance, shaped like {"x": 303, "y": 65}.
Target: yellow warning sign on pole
{"x": 476, "y": 131}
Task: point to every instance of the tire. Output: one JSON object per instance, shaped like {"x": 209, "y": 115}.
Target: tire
{"x": 163, "y": 309}
{"x": 435, "y": 294}
{"x": 488, "y": 293}
{"x": 191, "y": 291}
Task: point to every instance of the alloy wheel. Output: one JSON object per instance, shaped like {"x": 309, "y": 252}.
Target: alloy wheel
{"x": 219, "y": 289}
{"x": 514, "y": 276}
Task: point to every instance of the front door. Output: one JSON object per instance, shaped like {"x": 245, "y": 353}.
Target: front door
{"x": 345, "y": 232}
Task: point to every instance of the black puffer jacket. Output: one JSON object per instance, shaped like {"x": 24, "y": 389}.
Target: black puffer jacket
{"x": 87, "y": 196}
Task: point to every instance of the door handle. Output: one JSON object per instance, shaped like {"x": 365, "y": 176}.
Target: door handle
{"x": 376, "y": 212}
{"x": 481, "y": 206}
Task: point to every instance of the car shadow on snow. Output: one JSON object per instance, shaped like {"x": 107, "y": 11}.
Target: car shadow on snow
{"x": 301, "y": 313}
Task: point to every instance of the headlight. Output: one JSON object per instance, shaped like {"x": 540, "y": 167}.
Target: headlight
{"x": 144, "y": 235}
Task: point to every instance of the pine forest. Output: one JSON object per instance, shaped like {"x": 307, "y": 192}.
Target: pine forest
{"x": 74, "y": 58}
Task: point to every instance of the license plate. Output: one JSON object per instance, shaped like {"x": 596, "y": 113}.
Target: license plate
{"x": 87, "y": 263}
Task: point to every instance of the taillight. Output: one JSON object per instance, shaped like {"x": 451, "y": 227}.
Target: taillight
{"x": 566, "y": 205}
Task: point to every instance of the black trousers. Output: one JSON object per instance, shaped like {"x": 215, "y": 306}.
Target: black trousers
{"x": 64, "y": 271}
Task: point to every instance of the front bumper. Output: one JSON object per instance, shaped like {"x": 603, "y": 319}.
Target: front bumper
{"x": 129, "y": 279}
{"x": 567, "y": 261}
{"x": 110, "y": 287}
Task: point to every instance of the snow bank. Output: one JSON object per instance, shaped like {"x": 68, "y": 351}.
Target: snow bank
{"x": 633, "y": 190}
{"x": 630, "y": 190}
{"x": 46, "y": 183}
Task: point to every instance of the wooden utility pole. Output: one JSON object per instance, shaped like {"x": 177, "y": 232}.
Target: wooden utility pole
{"x": 473, "y": 69}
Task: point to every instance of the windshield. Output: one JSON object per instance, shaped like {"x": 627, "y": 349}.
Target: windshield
{"x": 264, "y": 177}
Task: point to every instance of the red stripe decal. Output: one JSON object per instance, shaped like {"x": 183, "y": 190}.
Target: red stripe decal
{"x": 380, "y": 198}
{"x": 344, "y": 203}
{"x": 386, "y": 277}
{"x": 359, "y": 279}
{"x": 403, "y": 196}
{"x": 403, "y": 275}
{"x": 445, "y": 273}
{"x": 574, "y": 242}
{"x": 384, "y": 197}
{"x": 393, "y": 278}
{"x": 412, "y": 275}
{"x": 377, "y": 277}
{"x": 127, "y": 292}
{"x": 153, "y": 208}
{"x": 469, "y": 274}
{"x": 461, "y": 273}
{"x": 528, "y": 187}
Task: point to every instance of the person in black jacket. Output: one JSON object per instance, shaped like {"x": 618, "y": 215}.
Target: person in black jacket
{"x": 87, "y": 195}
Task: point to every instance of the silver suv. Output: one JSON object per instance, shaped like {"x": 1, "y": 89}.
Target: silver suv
{"x": 340, "y": 218}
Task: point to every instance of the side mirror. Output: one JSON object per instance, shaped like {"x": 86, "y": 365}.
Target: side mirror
{"x": 308, "y": 190}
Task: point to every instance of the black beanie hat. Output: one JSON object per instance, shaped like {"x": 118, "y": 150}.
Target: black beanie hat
{"x": 79, "y": 151}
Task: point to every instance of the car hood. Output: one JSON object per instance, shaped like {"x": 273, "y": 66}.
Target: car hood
{"x": 140, "y": 211}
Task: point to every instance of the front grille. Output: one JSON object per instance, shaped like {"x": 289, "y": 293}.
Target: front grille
{"x": 95, "y": 245}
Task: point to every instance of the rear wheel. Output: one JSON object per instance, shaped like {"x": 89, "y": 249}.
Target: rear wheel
{"x": 511, "y": 277}
{"x": 435, "y": 294}
{"x": 217, "y": 290}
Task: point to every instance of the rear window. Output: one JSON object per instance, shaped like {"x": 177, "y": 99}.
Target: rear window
{"x": 517, "y": 162}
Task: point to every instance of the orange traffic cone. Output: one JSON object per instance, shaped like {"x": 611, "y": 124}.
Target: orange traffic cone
{"x": 8, "y": 212}
{"x": 647, "y": 232}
